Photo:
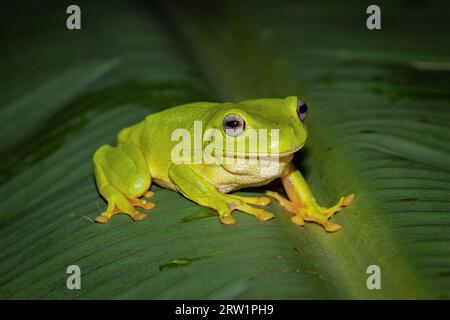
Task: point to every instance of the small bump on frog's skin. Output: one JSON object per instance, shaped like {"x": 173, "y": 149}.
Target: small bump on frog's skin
{"x": 125, "y": 173}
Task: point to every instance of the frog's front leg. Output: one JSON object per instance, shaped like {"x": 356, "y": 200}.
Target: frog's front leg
{"x": 122, "y": 177}
{"x": 302, "y": 203}
{"x": 194, "y": 187}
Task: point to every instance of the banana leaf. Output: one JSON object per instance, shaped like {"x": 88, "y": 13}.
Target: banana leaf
{"x": 378, "y": 126}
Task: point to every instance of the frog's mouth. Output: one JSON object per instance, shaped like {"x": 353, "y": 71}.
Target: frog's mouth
{"x": 257, "y": 154}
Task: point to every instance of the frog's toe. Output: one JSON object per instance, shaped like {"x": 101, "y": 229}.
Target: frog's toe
{"x": 259, "y": 213}
{"x": 259, "y": 201}
{"x": 102, "y": 219}
{"x": 298, "y": 220}
{"x": 264, "y": 201}
{"x": 317, "y": 215}
{"x": 141, "y": 203}
{"x": 147, "y": 205}
{"x": 264, "y": 216}
{"x": 139, "y": 216}
{"x": 348, "y": 199}
{"x": 342, "y": 203}
{"x": 332, "y": 227}
{"x": 149, "y": 194}
{"x": 228, "y": 219}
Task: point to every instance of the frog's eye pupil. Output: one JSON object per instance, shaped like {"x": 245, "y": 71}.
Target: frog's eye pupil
{"x": 302, "y": 110}
{"x": 233, "y": 124}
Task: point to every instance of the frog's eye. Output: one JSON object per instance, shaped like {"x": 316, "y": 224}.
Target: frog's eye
{"x": 233, "y": 124}
{"x": 302, "y": 110}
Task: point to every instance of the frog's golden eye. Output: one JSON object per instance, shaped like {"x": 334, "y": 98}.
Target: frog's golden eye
{"x": 233, "y": 124}
{"x": 302, "y": 110}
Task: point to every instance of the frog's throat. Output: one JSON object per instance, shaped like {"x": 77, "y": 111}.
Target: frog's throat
{"x": 256, "y": 154}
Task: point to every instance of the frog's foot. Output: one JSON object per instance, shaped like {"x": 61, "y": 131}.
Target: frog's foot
{"x": 313, "y": 212}
{"x": 124, "y": 204}
{"x": 228, "y": 203}
{"x": 105, "y": 216}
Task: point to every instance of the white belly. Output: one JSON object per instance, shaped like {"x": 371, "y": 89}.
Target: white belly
{"x": 248, "y": 174}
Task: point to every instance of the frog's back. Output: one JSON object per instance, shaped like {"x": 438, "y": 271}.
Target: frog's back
{"x": 182, "y": 116}
{"x": 158, "y": 127}
{"x": 154, "y": 134}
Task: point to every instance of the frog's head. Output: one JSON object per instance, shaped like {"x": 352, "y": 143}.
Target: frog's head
{"x": 269, "y": 117}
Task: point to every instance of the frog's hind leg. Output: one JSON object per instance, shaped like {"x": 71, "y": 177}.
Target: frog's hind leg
{"x": 122, "y": 177}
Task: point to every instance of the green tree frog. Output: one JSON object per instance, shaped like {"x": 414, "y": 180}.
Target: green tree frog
{"x": 145, "y": 155}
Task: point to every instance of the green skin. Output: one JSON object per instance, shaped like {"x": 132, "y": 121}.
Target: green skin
{"x": 125, "y": 173}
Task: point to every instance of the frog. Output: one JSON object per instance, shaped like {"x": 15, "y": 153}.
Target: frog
{"x": 144, "y": 156}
